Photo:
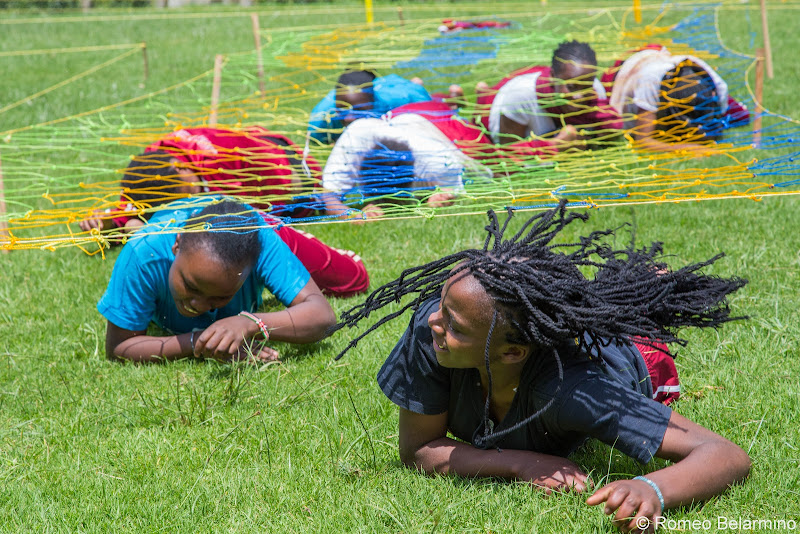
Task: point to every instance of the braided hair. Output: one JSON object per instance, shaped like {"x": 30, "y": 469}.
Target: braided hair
{"x": 688, "y": 101}
{"x": 571, "y": 52}
{"x": 547, "y": 301}
{"x": 388, "y": 167}
{"x": 152, "y": 179}
{"x": 228, "y": 233}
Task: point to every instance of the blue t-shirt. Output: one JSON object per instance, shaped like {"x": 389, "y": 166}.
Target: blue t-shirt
{"x": 611, "y": 402}
{"x": 139, "y": 293}
{"x": 392, "y": 91}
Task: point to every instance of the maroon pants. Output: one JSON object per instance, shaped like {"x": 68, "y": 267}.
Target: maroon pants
{"x": 663, "y": 373}
{"x": 339, "y": 273}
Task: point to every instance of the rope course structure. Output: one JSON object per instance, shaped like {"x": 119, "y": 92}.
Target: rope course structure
{"x": 45, "y": 197}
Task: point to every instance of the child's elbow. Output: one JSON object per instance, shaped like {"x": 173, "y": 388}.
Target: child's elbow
{"x": 740, "y": 463}
{"x": 326, "y": 321}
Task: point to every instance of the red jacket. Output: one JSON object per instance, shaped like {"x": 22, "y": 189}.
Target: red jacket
{"x": 252, "y": 162}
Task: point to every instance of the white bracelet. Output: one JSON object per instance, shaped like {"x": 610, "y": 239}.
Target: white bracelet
{"x": 655, "y": 487}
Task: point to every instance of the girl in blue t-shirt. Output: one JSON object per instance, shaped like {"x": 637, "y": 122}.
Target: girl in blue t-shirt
{"x": 199, "y": 273}
{"x": 519, "y": 355}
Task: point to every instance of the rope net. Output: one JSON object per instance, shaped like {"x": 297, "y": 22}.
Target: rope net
{"x": 58, "y": 173}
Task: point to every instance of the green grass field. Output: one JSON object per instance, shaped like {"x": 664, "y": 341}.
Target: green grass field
{"x": 87, "y": 445}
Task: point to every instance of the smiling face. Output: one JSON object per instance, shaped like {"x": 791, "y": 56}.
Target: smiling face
{"x": 461, "y": 324}
{"x": 200, "y": 282}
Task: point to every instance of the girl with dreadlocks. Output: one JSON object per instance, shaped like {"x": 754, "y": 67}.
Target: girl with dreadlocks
{"x": 521, "y": 357}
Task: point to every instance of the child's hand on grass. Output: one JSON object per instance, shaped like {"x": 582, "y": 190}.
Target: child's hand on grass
{"x": 370, "y": 211}
{"x": 441, "y": 200}
{"x": 553, "y": 473}
{"x": 633, "y": 504}
{"x": 224, "y": 339}
{"x": 99, "y": 220}
{"x": 263, "y": 355}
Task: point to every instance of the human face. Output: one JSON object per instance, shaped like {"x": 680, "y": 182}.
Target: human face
{"x": 352, "y": 104}
{"x": 574, "y": 83}
{"x": 191, "y": 185}
{"x": 461, "y": 324}
{"x": 199, "y": 282}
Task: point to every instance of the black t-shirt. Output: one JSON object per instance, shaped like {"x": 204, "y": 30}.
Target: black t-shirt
{"x": 609, "y": 401}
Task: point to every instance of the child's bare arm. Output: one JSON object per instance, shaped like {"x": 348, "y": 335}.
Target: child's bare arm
{"x": 333, "y": 203}
{"x": 643, "y": 134}
{"x": 137, "y": 347}
{"x": 510, "y": 130}
{"x": 99, "y": 220}
{"x": 424, "y": 445}
{"x": 706, "y": 465}
{"x": 122, "y": 344}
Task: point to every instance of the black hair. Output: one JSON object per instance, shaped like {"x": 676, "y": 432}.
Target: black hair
{"x": 230, "y": 233}
{"x": 547, "y": 301}
{"x": 356, "y": 78}
{"x": 689, "y": 103}
{"x": 574, "y": 52}
{"x": 387, "y": 167}
{"x": 152, "y": 179}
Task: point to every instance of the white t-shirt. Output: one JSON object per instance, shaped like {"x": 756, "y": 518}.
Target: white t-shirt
{"x": 437, "y": 161}
{"x": 638, "y": 82}
{"x": 517, "y": 100}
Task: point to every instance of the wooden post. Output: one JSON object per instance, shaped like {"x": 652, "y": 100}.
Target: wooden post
{"x": 212, "y": 116}
{"x": 765, "y": 31}
{"x": 400, "y": 16}
{"x": 759, "y": 97}
{"x": 637, "y": 11}
{"x": 86, "y": 5}
{"x": 259, "y": 59}
{"x": 145, "y": 63}
{"x": 368, "y": 10}
{"x": 4, "y": 235}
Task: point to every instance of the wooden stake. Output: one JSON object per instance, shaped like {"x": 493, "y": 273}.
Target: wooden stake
{"x": 212, "y": 116}
{"x": 145, "y": 63}
{"x": 4, "y": 235}
{"x": 368, "y": 10}
{"x": 759, "y": 97}
{"x": 765, "y": 31}
{"x": 259, "y": 59}
{"x": 400, "y": 16}
{"x": 637, "y": 11}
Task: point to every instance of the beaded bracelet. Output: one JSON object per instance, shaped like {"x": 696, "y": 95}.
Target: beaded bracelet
{"x": 258, "y": 321}
{"x": 655, "y": 487}
{"x": 191, "y": 343}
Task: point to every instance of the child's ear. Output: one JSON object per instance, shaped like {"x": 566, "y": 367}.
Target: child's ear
{"x": 176, "y": 245}
{"x": 513, "y": 353}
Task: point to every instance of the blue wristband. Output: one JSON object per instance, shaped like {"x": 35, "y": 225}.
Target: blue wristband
{"x": 655, "y": 487}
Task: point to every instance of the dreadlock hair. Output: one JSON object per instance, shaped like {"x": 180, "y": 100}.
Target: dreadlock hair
{"x": 689, "y": 104}
{"x": 547, "y": 301}
{"x": 230, "y": 233}
{"x": 571, "y": 52}
{"x": 152, "y": 179}
{"x": 387, "y": 167}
